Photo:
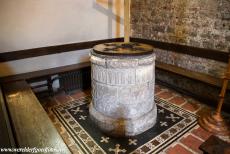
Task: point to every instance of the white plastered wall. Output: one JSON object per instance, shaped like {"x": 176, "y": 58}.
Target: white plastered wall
{"x": 26, "y": 24}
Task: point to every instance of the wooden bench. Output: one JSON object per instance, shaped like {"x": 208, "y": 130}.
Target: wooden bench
{"x": 214, "y": 81}
{"x": 43, "y": 73}
{"x": 194, "y": 51}
{"x": 7, "y": 140}
{"x": 30, "y": 122}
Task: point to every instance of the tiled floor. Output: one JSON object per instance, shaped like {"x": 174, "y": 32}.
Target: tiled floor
{"x": 187, "y": 144}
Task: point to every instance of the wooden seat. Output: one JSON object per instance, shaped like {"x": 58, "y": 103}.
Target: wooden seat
{"x": 214, "y": 81}
{"x": 31, "y": 124}
{"x": 44, "y": 73}
{"x": 7, "y": 140}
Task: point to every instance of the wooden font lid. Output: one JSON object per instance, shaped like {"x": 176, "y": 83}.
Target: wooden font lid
{"x": 123, "y": 49}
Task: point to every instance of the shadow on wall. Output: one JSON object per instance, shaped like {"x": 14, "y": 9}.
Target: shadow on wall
{"x": 106, "y": 7}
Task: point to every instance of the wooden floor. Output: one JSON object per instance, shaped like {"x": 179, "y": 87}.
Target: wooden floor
{"x": 187, "y": 144}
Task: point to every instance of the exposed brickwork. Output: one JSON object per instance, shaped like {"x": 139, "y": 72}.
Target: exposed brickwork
{"x": 196, "y": 23}
{"x": 203, "y": 24}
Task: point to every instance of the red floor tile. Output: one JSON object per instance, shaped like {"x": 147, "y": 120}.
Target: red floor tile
{"x": 191, "y": 106}
{"x": 165, "y": 95}
{"x": 77, "y": 94}
{"x": 192, "y": 142}
{"x": 201, "y": 133}
{"x": 177, "y": 100}
{"x": 177, "y": 149}
{"x": 62, "y": 98}
{"x": 158, "y": 89}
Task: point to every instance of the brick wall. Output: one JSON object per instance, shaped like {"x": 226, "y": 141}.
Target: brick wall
{"x": 198, "y": 23}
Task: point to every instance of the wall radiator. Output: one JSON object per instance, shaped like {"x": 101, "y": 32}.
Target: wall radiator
{"x": 80, "y": 79}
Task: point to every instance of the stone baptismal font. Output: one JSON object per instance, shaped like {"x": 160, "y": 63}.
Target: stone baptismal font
{"x": 123, "y": 79}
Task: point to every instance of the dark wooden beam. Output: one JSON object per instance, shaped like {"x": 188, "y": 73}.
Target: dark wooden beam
{"x": 194, "y": 51}
{"x": 31, "y": 124}
{"x": 43, "y": 73}
{"x": 22, "y": 54}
